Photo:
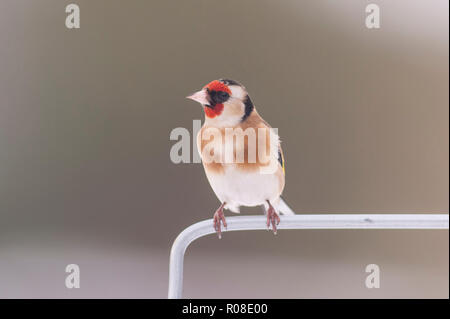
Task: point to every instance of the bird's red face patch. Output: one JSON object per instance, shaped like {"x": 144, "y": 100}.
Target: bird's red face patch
{"x": 214, "y": 111}
{"x": 215, "y": 87}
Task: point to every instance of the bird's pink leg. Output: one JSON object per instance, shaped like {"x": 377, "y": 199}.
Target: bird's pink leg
{"x": 218, "y": 218}
{"x": 272, "y": 218}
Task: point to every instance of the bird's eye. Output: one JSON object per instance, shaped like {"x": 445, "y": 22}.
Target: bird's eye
{"x": 224, "y": 96}
{"x": 218, "y": 97}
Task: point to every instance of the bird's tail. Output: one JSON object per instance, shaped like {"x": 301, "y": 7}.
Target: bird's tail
{"x": 283, "y": 208}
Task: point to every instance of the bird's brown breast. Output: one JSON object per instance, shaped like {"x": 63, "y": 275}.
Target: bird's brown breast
{"x": 245, "y": 154}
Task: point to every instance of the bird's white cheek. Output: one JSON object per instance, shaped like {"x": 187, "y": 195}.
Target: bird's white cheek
{"x": 231, "y": 115}
{"x": 238, "y": 92}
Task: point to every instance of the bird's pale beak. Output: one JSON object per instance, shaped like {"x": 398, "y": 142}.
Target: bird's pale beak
{"x": 200, "y": 97}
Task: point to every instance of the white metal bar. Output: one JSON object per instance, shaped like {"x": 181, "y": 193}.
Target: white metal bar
{"x": 329, "y": 221}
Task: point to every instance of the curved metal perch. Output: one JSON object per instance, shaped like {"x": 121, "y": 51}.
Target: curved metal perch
{"x": 329, "y": 221}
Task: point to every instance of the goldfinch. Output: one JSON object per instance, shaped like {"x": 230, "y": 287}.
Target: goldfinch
{"x": 249, "y": 173}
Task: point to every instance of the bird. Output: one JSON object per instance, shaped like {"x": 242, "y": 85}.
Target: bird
{"x": 236, "y": 172}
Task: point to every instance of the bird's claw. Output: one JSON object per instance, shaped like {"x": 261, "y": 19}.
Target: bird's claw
{"x": 218, "y": 219}
{"x": 272, "y": 219}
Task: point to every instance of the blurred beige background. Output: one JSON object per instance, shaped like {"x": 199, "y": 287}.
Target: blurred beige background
{"x": 85, "y": 118}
